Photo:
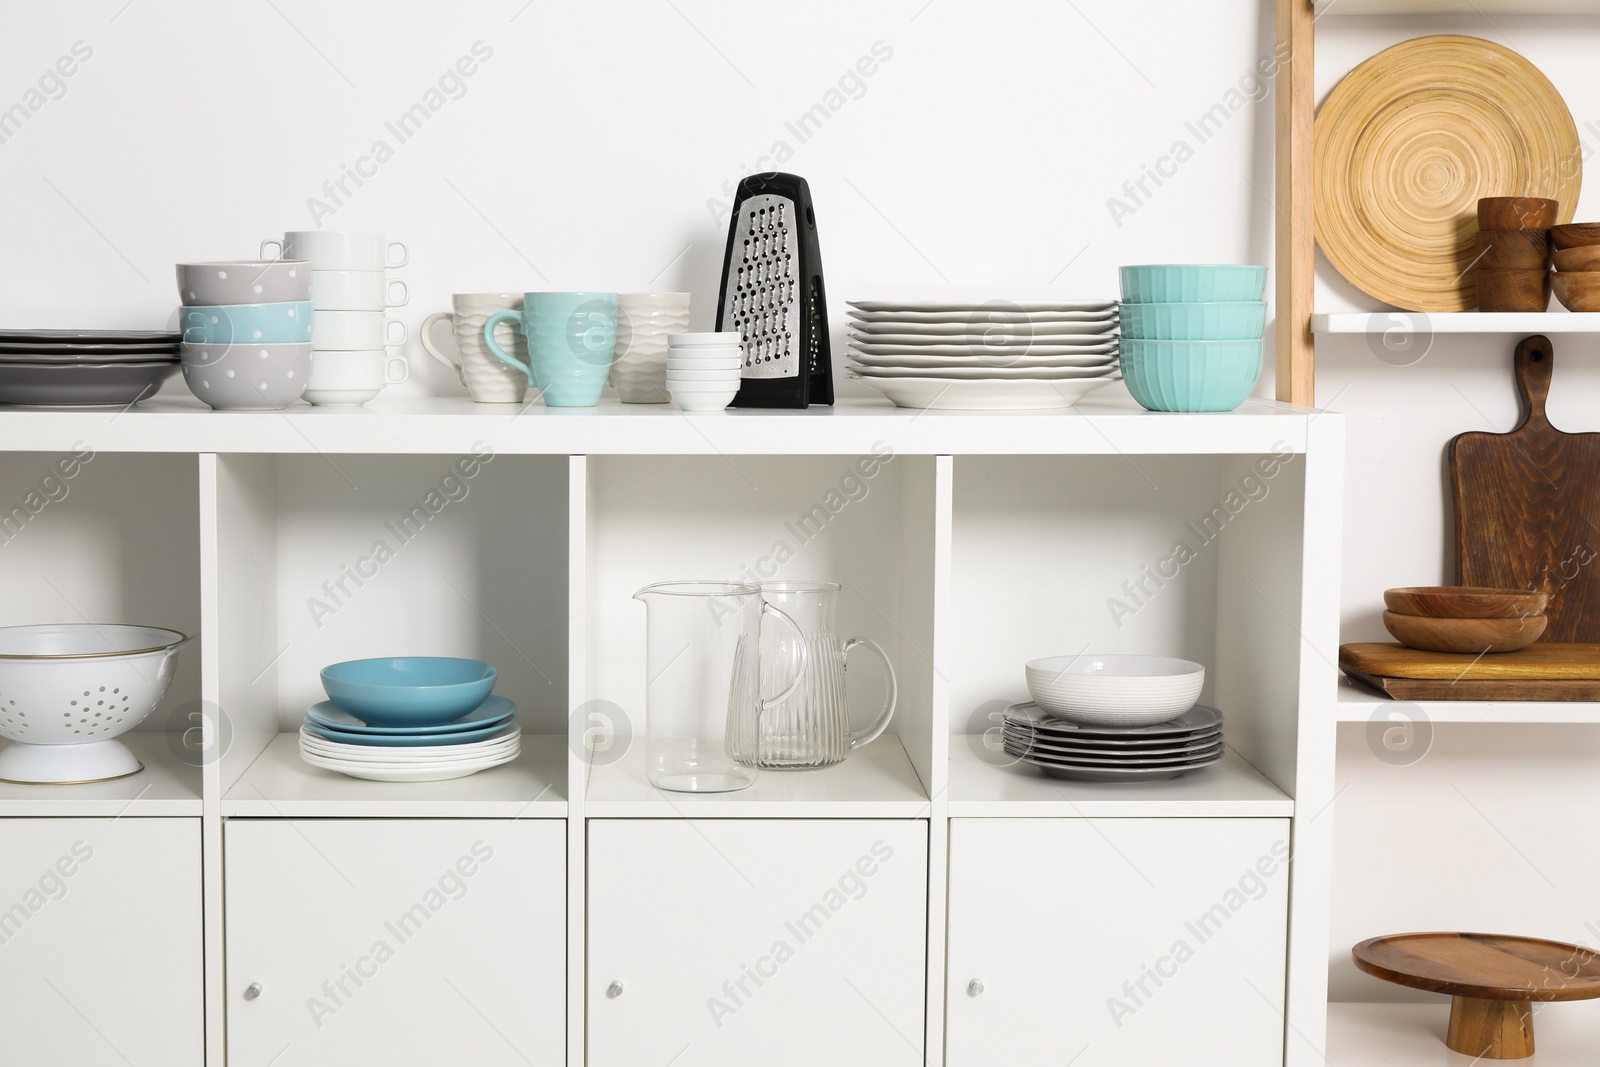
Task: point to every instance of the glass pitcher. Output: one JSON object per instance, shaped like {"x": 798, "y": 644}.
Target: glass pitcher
{"x": 809, "y": 724}
{"x": 702, "y": 680}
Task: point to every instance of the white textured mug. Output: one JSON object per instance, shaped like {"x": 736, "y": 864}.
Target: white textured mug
{"x": 351, "y": 378}
{"x": 644, "y": 320}
{"x": 488, "y": 380}
{"x": 337, "y": 250}
{"x": 351, "y": 331}
{"x": 356, "y": 290}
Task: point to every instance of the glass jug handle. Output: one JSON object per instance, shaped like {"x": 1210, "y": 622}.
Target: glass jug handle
{"x": 872, "y": 732}
{"x": 800, "y": 668}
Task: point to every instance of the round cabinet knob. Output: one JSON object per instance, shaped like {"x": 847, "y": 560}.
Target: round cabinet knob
{"x": 614, "y": 990}
{"x": 975, "y": 988}
{"x": 252, "y": 991}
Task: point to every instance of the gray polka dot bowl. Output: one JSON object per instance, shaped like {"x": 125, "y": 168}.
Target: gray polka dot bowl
{"x": 243, "y": 377}
{"x": 244, "y": 281}
{"x": 268, "y": 324}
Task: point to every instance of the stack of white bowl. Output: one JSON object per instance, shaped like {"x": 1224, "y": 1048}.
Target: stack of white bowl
{"x": 352, "y": 293}
{"x": 703, "y": 370}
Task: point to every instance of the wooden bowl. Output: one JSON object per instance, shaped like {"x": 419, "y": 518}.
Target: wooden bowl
{"x": 1466, "y": 636}
{"x": 1465, "y": 601}
{"x": 1513, "y": 290}
{"x": 1575, "y": 234}
{"x": 1583, "y": 257}
{"x": 1514, "y": 249}
{"x": 1577, "y": 290}
{"x": 1516, "y": 213}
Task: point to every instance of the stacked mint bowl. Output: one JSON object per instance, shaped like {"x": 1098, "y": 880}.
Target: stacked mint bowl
{"x": 1192, "y": 334}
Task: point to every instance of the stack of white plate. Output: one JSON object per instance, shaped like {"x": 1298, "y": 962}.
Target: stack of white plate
{"x": 335, "y": 740}
{"x": 993, "y": 355}
{"x": 1104, "y": 753}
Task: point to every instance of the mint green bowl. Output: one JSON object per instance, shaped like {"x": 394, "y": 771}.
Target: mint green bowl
{"x": 1243, "y": 320}
{"x": 1191, "y": 283}
{"x": 1190, "y": 375}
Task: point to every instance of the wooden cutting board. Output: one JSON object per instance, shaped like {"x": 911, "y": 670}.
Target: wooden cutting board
{"x": 1542, "y": 662}
{"x": 1528, "y": 506}
{"x": 1477, "y": 689}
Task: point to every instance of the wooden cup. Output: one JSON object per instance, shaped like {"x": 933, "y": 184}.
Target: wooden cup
{"x": 1513, "y": 290}
{"x": 1516, "y": 213}
{"x": 1584, "y": 257}
{"x": 1514, "y": 249}
{"x": 1575, "y": 234}
{"x": 1577, "y": 290}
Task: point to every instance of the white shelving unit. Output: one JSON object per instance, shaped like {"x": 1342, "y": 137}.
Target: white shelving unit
{"x": 1356, "y": 703}
{"x": 968, "y": 544}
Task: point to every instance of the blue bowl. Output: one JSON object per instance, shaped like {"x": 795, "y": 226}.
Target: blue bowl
{"x": 1190, "y": 375}
{"x": 1189, "y": 283}
{"x": 1243, "y": 320}
{"x": 409, "y": 690}
{"x": 286, "y": 322}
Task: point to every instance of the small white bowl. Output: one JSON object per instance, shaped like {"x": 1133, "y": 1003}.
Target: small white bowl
{"x": 689, "y": 340}
{"x": 1115, "y": 690}
{"x": 702, "y": 399}
{"x": 717, "y": 357}
{"x": 725, "y": 375}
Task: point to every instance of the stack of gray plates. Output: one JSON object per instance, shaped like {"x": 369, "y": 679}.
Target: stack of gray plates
{"x": 84, "y": 368}
{"x": 1065, "y": 749}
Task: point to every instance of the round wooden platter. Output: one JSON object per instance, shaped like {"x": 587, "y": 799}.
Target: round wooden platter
{"x": 1410, "y": 140}
{"x": 1490, "y": 978}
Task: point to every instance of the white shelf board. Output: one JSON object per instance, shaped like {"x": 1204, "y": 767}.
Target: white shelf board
{"x": 875, "y": 782}
{"x": 1233, "y": 788}
{"x": 1412, "y": 1035}
{"x": 166, "y": 787}
{"x": 279, "y": 784}
{"x": 1107, "y": 426}
{"x": 1379, "y": 322}
{"x": 1457, "y": 7}
{"x": 1357, "y": 703}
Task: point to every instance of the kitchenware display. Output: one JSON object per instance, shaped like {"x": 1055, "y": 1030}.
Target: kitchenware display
{"x": 571, "y": 339}
{"x": 244, "y": 281}
{"x": 1512, "y": 290}
{"x": 1465, "y": 602}
{"x": 289, "y": 322}
{"x": 1477, "y": 636}
{"x": 68, "y": 690}
{"x": 1115, "y": 690}
{"x": 337, "y": 250}
{"x": 1107, "y": 753}
{"x": 1527, "y": 500}
{"x": 772, "y": 294}
{"x": 1528, "y": 214}
{"x": 1514, "y": 249}
{"x": 256, "y": 377}
{"x": 347, "y": 379}
{"x": 356, "y": 331}
{"x": 1192, "y": 283}
{"x": 644, "y": 322}
{"x": 1491, "y": 980}
{"x": 409, "y": 690}
{"x": 990, "y": 355}
{"x": 1545, "y": 670}
{"x": 1192, "y": 334}
{"x": 703, "y": 680}
{"x": 703, "y": 370}
{"x": 488, "y": 380}
{"x": 357, "y": 290}
{"x": 1577, "y": 290}
{"x": 84, "y": 384}
{"x": 1475, "y": 120}
{"x": 810, "y": 727}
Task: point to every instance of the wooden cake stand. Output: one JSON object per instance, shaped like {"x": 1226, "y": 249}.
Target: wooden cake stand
{"x": 1491, "y": 980}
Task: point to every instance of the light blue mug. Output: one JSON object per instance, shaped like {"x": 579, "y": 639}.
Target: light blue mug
{"x": 572, "y": 338}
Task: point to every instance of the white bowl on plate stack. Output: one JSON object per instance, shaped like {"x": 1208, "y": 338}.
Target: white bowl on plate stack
{"x": 1115, "y": 690}
{"x": 991, "y": 355}
{"x": 703, "y": 370}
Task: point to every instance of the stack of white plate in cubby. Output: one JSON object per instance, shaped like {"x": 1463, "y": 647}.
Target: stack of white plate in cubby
{"x": 335, "y": 740}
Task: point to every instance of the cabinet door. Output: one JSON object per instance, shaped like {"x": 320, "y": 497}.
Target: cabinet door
{"x": 1111, "y": 942}
{"x": 396, "y": 942}
{"x": 785, "y": 943}
{"x": 100, "y": 957}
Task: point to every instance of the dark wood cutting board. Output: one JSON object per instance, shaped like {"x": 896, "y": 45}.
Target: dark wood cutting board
{"x": 1528, "y": 506}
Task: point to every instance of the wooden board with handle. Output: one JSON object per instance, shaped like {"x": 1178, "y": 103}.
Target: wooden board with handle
{"x": 1528, "y": 506}
{"x": 1542, "y": 662}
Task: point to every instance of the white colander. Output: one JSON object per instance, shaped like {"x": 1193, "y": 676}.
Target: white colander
{"x": 67, "y": 689}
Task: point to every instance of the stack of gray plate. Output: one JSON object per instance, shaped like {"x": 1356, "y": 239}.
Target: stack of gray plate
{"x": 84, "y": 368}
{"x": 1101, "y": 753}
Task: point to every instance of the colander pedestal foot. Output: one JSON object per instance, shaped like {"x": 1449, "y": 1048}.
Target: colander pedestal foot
{"x": 94, "y": 761}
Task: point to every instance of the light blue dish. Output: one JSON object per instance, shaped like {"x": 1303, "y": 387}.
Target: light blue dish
{"x": 287, "y": 322}
{"x": 492, "y": 712}
{"x": 1191, "y": 283}
{"x": 483, "y": 733}
{"x": 409, "y": 690}
{"x": 1243, "y": 320}
{"x": 1190, "y": 375}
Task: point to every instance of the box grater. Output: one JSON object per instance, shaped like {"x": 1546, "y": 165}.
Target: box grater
{"x": 772, "y": 295}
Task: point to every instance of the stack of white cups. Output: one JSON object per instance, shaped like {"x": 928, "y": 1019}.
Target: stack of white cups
{"x": 351, "y": 293}
{"x": 703, "y": 370}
